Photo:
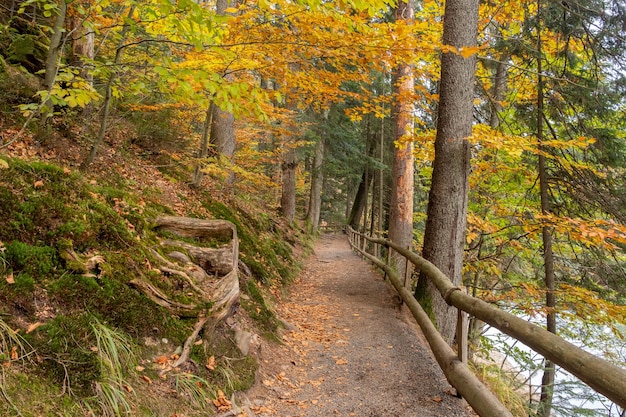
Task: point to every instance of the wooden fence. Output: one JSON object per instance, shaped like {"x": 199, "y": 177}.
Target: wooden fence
{"x": 601, "y": 375}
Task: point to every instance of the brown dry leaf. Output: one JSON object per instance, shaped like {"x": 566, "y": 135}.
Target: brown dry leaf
{"x": 161, "y": 360}
{"x": 9, "y": 278}
{"x": 342, "y": 361}
{"x": 14, "y": 354}
{"x": 38, "y": 184}
{"x": 94, "y": 349}
{"x": 221, "y": 402}
{"x": 128, "y": 388}
{"x": 66, "y": 171}
{"x": 33, "y": 327}
{"x": 437, "y": 399}
{"x": 145, "y": 378}
{"x": 6, "y": 364}
{"x": 210, "y": 363}
{"x": 139, "y": 368}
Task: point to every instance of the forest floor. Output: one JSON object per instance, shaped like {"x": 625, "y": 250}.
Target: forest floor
{"x": 350, "y": 348}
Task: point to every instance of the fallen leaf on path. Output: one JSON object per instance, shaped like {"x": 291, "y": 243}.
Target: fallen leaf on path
{"x": 437, "y": 399}
{"x": 342, "y": 361}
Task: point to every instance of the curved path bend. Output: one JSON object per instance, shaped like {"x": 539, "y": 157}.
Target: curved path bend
{"x": 351, "y": 350}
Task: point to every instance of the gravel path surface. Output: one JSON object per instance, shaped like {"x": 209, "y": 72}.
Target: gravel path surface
{"x": 351, "y": 350}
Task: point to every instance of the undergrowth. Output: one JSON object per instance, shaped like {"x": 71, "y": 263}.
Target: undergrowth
{"x": 82, "y": 334}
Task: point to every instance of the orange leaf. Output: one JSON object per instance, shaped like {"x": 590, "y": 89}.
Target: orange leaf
{"x": 210, "y": 363}
{"x": 14, "y": 354}
{"x": 38, "y": 184}
{"x": 33, "y": 326}
{"x": 161, "y": 360}
{"x": 145, "y": 378}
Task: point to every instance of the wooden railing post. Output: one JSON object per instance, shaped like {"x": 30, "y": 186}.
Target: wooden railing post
{"x": 462, "y": 329}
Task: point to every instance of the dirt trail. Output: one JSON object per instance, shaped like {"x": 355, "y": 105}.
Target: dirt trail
{"x": 352, "y": 350}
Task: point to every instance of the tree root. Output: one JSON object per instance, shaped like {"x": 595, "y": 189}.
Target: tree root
{"x": 179, "y": 309}
{"x": 184, "y": 356}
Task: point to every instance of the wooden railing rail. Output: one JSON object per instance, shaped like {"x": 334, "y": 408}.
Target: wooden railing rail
{"x": 602, "y": 376}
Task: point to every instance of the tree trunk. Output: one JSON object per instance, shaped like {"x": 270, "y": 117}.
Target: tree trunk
{"x": 288, "y": 196}
{"x": 223, "y": 122}
{"x": 196, "y": 180}
{"x": 317, "y": 180}
{"x": 83, "y": 47}
{"x": 402, "y": 171}
{"x": 360, "y": 200}
{"x": 499, "y": 89}
{"x": 52, "y": 60}
{"x": 108, "y": 95}
{"x": 547, "y": 381}
{"x": 444, "y": 236}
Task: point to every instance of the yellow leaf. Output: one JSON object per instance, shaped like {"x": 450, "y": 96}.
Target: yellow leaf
{"x": 468, "y": 51}
{"x": 3, "y": 164}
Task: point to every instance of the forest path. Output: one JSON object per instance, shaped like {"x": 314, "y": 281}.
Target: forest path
{"x": 352, "y": 351}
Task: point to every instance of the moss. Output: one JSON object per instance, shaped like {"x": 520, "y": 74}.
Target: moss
{"x": 34, "y": 395}
{"x": 64, "y": 345}
{"x": 259, "y": 311}
{"x": 35, "y": 261}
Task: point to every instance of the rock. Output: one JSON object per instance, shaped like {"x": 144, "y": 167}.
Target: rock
{"x": 288, "y": 326}
{"x": 244, "y": 339}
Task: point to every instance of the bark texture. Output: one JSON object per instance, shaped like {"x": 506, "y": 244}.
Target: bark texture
{"x": 288, "y": 195}
{"x": 547, "y": 380}
{"x": 447, "y": 202}
{"x": 402, "y": 171}
{"x": 315, "y": 196}
{"x": 222, "y": 135}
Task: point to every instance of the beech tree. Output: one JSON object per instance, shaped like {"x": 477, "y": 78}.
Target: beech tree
{"x": 444, "y": 236}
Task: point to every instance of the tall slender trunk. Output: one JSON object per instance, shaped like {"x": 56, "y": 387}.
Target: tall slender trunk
{"x": 499, "y": 89}
{"x": 444, "y": 237}
{"x": 315, "y": 196}
{"x": 196, "y": 180}
{"x": 108, "y": 95}
{"x": 288, "y": 195}
{"x": 223, "y": 122}
{"x": 402, "y": 171}
{"x": 547, "y": 381}
{"x": 52, "y": 60}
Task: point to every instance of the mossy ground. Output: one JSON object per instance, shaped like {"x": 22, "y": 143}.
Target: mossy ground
{"x": 58, "y": 370}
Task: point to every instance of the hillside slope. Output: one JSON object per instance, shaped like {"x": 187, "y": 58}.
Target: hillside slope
{"x": 75, "y": 337}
